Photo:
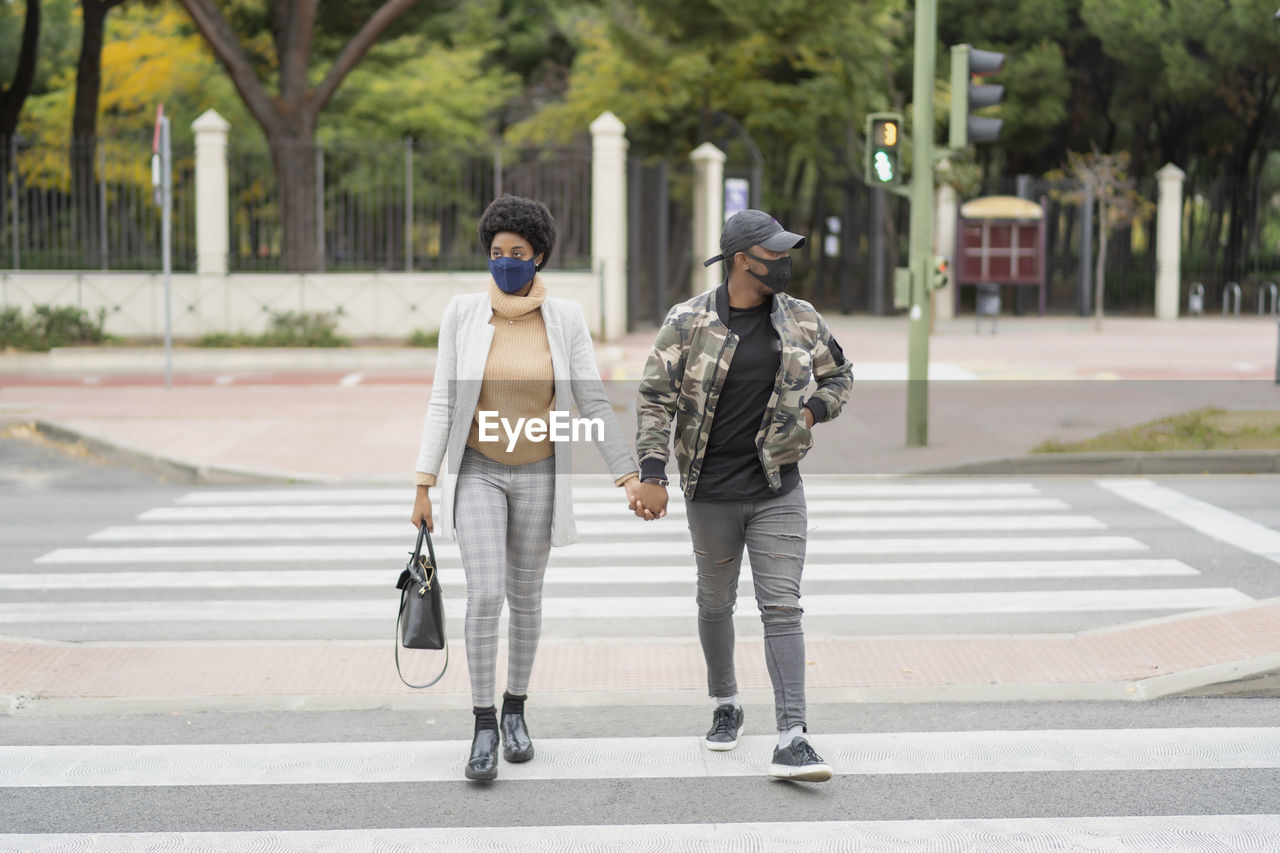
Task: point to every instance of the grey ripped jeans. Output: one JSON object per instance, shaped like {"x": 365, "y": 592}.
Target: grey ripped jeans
{"x": 773, "y": 532}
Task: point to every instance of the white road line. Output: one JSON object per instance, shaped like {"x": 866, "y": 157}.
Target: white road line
{"x": 952, "y": 523}
{"x": 351, "y": 379}
{"x": 815, "y": 487}
{"x": 398, "y": 531}
{"x": 635, "y": 607}
{"x": 652, "y": 548}
{"x": 611, "y": 508}
{"x": 128, "y": 765}
{"x": 601, "y": 575}
{"x": 1208, "y": 519}
{"x": 298, "y": 495}
{"x": 1080, "y": 834}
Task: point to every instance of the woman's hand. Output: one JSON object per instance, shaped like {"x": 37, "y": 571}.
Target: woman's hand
{"x": 422, "y": 510}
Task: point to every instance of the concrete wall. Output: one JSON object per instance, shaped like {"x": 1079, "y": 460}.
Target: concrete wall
{"x": 367, "y": 305}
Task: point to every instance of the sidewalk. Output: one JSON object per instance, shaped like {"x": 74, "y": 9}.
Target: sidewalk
{"x": 355, "y": 415}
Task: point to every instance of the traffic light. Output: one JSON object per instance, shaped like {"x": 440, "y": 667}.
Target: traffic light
{"x": 941, "y": 272}
{"x": 884, "y": 142}
{"x": 968, "y": 62}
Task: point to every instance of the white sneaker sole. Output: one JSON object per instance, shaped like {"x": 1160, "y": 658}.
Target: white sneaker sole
{"x": 808, "y": 773}
{"x": 719, "y": 746}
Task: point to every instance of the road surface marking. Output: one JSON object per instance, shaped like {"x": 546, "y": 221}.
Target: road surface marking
{"x": 1204, "y": 517}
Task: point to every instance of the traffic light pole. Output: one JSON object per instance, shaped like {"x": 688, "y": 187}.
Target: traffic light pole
{"x": 921, "y": 247}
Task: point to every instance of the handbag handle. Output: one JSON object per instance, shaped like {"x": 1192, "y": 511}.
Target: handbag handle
{"x": 413, "y": 562}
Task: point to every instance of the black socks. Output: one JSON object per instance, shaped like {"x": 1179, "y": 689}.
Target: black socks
{"x": 513, "y": 704}
{"x": 486, "y": 718}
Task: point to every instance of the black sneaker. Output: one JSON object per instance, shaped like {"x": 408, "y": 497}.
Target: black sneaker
{"x": 799, "y": 762}
{"x": 726, "y": 723}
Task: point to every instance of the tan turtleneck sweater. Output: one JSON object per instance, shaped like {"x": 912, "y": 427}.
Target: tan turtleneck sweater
{"x": 518, "y": 379}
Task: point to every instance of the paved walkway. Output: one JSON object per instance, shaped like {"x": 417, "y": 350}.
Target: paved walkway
{"x": 356, "y": 415}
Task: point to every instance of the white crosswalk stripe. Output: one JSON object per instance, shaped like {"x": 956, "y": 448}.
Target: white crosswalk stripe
{"x": 1244, "y": 832}
{"x": 640, "y": 758}
{"x": 613, "y": 575}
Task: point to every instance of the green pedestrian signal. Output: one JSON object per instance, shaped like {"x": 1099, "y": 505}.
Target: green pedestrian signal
{"x": 881, "y": 165}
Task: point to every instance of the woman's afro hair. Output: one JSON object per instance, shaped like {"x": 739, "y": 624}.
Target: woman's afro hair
{"x": 524, "y": 216}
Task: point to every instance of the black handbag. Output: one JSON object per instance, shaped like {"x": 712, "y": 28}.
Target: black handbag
{"x": 420, "y": 622}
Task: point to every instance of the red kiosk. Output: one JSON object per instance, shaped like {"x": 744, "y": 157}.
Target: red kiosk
{"x": 1001, "y": 240}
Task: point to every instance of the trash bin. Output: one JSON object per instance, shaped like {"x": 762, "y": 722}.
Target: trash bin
{"x": 987, "y": 305}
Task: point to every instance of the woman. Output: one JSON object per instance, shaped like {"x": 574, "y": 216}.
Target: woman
{"x": 507, "y": 354}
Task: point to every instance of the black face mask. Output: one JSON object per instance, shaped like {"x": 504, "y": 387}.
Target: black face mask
{"x": 777, "y": 272}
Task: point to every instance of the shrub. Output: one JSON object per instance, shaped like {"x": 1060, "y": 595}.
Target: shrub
{"x": 51, "y": 326}
{"x": 420, "y": 338}
{"x": 288, "y": 329}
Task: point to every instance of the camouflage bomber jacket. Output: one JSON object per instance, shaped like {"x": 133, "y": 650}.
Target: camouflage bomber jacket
{"x": 686, "y": 370}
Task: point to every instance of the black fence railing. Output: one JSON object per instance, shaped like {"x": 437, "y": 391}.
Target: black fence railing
{"x": 89, "y": 205}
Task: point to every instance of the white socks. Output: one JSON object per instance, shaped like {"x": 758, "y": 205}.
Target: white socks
{"x": 785, "y": 737}
{"x": 726, "y": 700}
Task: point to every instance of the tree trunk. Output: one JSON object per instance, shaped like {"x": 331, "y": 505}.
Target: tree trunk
{"x": 1100, "y": 270}
{"x": 84, "y": 131}
{"x": 297, "y": 186}
{"x": 13, "y": 96}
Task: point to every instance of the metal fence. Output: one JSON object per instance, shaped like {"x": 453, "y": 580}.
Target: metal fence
{"x": 379, "y": 206}
{"x": 88, "y": 204}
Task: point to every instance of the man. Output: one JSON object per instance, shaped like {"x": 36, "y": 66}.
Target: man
{"x": 733, "y": 367}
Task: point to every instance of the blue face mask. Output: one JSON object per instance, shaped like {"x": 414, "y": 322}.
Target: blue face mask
{"x": 511, "y": 274}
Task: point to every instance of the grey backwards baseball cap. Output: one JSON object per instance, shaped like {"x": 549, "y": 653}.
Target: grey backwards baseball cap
{"x": 748, "y": 228}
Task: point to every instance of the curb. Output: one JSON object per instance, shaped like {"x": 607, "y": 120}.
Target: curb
{"x": 173, "y": 469}
{"x": 1121, "y": 463}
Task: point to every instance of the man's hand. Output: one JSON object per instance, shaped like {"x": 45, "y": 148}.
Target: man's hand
{"x": 650, "y": 501}
{"x": 633, "y": 500}
{"x": 808, "y": 417}
{"x": 422, "y": 510}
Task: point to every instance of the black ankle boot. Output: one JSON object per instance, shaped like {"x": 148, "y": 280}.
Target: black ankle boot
{"x": 483, "y": 764}
{"x": 517, "y": 747}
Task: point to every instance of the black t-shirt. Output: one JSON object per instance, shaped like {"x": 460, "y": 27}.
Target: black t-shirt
{"x": 731, "y": 468}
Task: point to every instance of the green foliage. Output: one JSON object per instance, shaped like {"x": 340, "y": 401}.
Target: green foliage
{"x": 50, "y": 326}
{"x": 419, "y": 338}
{"x": 399, "y": 91}
{"x": 288, "y": 329}
{"x": 1202, "y": 429}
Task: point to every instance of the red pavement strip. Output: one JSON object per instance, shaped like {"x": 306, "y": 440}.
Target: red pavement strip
{"x": 126, "y": 380}
{"x": 1140, "y": 660}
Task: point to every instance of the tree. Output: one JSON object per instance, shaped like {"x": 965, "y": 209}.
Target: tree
{"x": 1118, "y": 204}
{"x": 15, "y": 94}
{"x": 289, "y": 117}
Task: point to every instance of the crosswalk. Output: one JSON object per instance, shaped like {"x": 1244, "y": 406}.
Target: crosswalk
{"x": 882, "y": 555}
{"x": 621, "y": 772}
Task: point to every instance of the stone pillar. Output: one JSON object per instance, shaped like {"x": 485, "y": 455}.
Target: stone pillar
{"x": 944, "y": 243}
{"x": 708, "y": 215}
{"x": 1169, "y": 242}
{"x": 213, "y": 239}
{"x": 609, "y": 221}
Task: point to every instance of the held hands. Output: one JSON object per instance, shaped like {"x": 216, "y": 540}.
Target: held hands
{"x": 422, "y": 510}
{"x": 646, "y": 500}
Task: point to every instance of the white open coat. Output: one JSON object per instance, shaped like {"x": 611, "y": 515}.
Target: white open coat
{"x": 465, "y": 338}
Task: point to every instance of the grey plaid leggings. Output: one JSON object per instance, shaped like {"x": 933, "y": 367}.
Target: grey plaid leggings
{"x": 503, "y": 518}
